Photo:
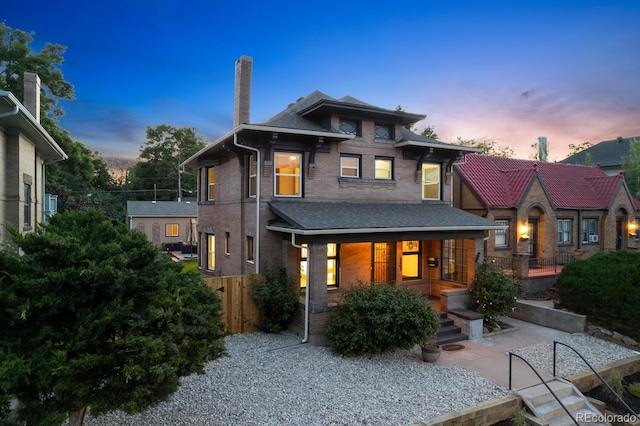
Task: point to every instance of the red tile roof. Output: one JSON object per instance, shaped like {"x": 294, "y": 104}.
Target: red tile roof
{"x": 503, "y": 182}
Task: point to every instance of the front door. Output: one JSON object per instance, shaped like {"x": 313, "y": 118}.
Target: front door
{"x": 619, "y": 234}
{"x": 384, "y": 271}
{"x": 533, "y": 243}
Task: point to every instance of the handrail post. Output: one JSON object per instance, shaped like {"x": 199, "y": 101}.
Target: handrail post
{"x": 510, "y": 358}
{"x": 554, "y": 358}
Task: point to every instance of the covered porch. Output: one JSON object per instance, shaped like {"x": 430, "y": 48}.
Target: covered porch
{"x": 332, "y": 247}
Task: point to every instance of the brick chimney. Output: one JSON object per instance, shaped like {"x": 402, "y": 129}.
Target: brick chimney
{"x": 242, "y": 92}
{"x": 31, "y": 99}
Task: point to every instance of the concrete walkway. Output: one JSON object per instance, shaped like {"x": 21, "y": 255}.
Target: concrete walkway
{"x": 489, "y": 356}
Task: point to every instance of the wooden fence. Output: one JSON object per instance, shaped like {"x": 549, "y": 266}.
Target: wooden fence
{"x": 239, "y": 311}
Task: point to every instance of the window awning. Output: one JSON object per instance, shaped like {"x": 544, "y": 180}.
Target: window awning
{"x": 323, "y": 218}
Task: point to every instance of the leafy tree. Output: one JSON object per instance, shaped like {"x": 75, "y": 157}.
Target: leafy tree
{"x": 160, "y": 156}
{"x": 428, "y": 131}
{"x": 94, "y": 316}
{"x": 488, "y": 148}
{"x": 574, "y": 149}
{"x": 631, "y": 167}
{"x": 493, "y": 293}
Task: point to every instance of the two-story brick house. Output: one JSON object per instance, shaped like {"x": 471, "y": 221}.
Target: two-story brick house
{"x": 25, "y": 150}
{"x": 338, "y": 192}
{"x": 547, "y": 208}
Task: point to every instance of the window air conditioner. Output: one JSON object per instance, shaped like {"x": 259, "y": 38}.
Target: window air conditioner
{"x": 593, "y": 238}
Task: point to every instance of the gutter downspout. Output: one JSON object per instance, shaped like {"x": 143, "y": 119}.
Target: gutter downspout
{"x": 258, "y": 173}
{"x": 306, "y": 296}
{"x": 14, "y": 111}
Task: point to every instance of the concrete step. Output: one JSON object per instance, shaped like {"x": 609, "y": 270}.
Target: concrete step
{"x": 539, "y": 394}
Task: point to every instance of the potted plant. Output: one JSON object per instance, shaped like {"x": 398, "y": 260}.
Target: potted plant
{"x": 430, "y": 351}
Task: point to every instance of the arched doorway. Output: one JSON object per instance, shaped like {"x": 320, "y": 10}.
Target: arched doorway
{"x": 622, "y": 219}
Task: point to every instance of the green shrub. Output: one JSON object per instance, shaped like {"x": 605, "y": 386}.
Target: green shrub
{"x": 493, "y": 293}
{"x": 616, "y": 382}
{"x": 634, "y": 389}
{"x": 276, "y": 294}
{"x": 605, "y": 288}
{"x": 372, "y": 319}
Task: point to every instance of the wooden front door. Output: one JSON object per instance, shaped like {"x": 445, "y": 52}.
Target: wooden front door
{"x": 619, "y": 233}
{"x": 533, "y": 243}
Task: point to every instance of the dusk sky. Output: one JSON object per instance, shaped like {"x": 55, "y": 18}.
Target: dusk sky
{"x": 504, "y": 71}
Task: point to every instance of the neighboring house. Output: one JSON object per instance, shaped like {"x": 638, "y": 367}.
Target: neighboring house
{"x": 608, "y": 154}
{"x": 25, "y": 150}
{"x": 338, "y": 192}
{"x": 165, "y": 223}
{"x": 549, "y": 209}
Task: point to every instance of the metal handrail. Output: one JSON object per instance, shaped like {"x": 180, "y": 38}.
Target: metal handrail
{"x": 594, "y": 371}
{"x": 511, "y": 355}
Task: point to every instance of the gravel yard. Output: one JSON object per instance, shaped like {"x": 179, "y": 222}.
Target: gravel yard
{"x": 273, "y": 380}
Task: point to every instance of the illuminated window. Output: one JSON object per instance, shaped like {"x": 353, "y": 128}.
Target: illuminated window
{"x": 410, "y": 259}
{"x": 350, "y": 166}
{"x": 288, "y": 175}
{"x": 384, "y": 168}
{"x": 171, "y": 230}
{"x": 211, "y": 252}
{"x": 211, "y": 184}
{"x": 332, "y": 265}
{"x": 430, "y": 181}
{"x": 253, "y": 176}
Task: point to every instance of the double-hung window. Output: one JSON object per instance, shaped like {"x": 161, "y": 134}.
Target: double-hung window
{"x": 564, "y": 231}
{"x": 430, "y": 181}
{"x": 350, "y": 166}
{"x": 288, "y": 175}
{"x": 211, "y": 252}
{"x": 589, "y": 231}
{"x": 171, "y": 230}
{"x": 211, "y": 184}
{"x": 502, "y": 235}
{"x": 253, "y": 177}
{"x": 27, "y": 205}
{"x": 384, "y": 168}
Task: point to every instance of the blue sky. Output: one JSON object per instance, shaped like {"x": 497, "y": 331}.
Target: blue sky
{"x": 504, "y": 71}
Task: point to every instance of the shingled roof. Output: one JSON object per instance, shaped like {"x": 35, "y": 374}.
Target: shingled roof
{"x": 503, "y": 182}
{"x": 161, "y": 209}
{"x": 606, "y": 153}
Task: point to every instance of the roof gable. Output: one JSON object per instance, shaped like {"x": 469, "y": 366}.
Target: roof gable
{"x": 503, "y": 182}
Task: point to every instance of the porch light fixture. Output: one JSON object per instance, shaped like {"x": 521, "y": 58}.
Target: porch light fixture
{"x": 633, "y": 227}
{"x": 524, "y": 232}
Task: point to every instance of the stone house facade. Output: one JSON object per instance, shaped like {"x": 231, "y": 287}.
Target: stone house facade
{"x": 338, "y": 192}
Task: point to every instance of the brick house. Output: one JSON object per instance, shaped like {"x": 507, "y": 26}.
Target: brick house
{"x": 337, "y": 191}
{"x": 549, "y": 209}
{"x": 25, "y": 150}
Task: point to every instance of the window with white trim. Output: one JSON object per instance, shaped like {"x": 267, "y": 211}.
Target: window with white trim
{"x": 502, "y": 235}
{"x": 171, "y": 230}
{"x": 250, "y": 250}
{"x": 332, "y": 265}
{"x": 564, "y": 231}
{"x": 589, "y": 231}
{"x": 211, "y": 252}
{"x": 350, "y": 166}
{"x": 384, "y": 168}
{"x": 430, "y": 181}
{"x": 288, "y": 174}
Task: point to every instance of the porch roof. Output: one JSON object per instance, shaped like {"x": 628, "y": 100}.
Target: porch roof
{"x": 316, "y": 218}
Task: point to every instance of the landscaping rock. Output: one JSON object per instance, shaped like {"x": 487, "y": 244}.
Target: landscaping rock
{"x": 629, "y": 341}
{"x": 617, "y": 335}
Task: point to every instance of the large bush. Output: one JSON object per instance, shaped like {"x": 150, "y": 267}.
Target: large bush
{"x": 371, "y": 320}
{"x": 276, "y": 294}
{"x": 606, "y": 288}
{"x": 493, "y": 293}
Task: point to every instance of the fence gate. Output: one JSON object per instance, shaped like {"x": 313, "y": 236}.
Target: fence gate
{"x": 239, "y": 312}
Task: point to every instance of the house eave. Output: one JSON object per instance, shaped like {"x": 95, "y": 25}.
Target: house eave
{"x": 297, "y": 231}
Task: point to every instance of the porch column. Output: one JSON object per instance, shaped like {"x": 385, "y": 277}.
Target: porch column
{"x": 317, "y": 277}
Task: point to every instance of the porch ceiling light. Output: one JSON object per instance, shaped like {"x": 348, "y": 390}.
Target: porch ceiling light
{"x": 633, "y": 227}
{"x": 524, "y": 232}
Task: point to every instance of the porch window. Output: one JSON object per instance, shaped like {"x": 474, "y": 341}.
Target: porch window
{"x": 211, "y": 252}
{"x": 411, "y": 259}
{"x": 564, "y": 231}
{"x": 211, "y": 184}
{"x": 589, "y": 231}
{"x": 384, "y": 168}
{"x": 502, "y": 235}
{"x": 430, "y": 181}
{"x": 250, "y": 250}
{"x": 350, "y": 166}
{"x": 288, "y": 175}
{"x": 253, "y": 177}
{"x": 27, "y": 205}
{"x": 332, "y": 265}
{"x": 454, "y": 261}
{"x": 171, "y": 230}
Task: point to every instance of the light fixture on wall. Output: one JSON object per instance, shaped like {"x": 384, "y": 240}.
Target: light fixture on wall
{"x": 633, "y": 228}
{"x": 524, "y": 231}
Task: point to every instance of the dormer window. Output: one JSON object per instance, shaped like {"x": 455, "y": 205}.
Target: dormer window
{"x": 383, "y": 131}
{"x": 349, "y": 127}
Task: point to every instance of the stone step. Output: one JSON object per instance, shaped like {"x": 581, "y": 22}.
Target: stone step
{"x": 539, "y": 394}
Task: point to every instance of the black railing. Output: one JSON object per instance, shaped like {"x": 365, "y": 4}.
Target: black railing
{"x": 555, "y": 343}
{"x": 506, "y": 263}
{"x": 511, "y": 355}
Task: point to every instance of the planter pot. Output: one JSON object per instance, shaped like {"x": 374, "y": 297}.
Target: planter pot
{"x": 431, "y": 354}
